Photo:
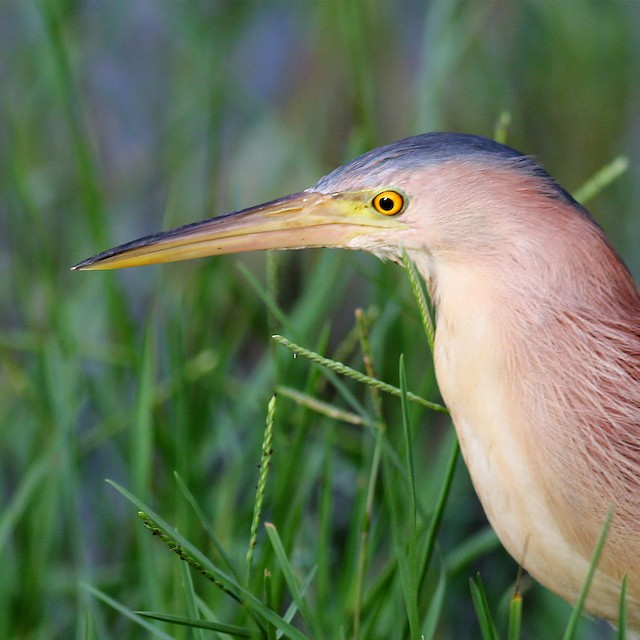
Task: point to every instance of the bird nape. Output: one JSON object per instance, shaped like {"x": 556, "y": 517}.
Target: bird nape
{"x": 537, "y": 348}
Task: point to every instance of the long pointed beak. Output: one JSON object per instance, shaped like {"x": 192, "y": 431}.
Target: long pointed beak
{"x": 304, "y": 219}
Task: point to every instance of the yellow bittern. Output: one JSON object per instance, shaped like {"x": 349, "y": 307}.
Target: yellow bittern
{"x": 537, "y": 347}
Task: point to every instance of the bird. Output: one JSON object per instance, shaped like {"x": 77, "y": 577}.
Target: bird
{"x": 537, "y": 340}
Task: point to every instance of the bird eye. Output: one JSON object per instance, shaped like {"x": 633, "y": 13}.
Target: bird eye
{"x": 389, "y": 203}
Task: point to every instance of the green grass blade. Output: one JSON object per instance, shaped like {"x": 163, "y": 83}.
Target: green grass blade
{"x": 265, "y": 463}
{"x": 436, "y": 605}
{"x": 29, "y": 485}
{"x": 268, "y": 598}
{"x": 408, "y": 441}
{"x": 622, "y": 614}
{"x": 190, "y": 598}
{"x": 143, "y": 442}
{"x": 186, "y": 552}
{"x": 362, "y": 326}
{"x": 404, "y": 525}
{"x": 125, "y": 611}
{"x": 570, "y": 631}
{"x": 572, "y": 625}
{"x": 405, "y": 571}
{"x": 185, "y": 549}
{"x": 329, "y": 373}
{"x": 323, "y": 408}
{"x": 198, "y": 624}
{"x": 481, "y": 605}
{"x": 292, "y": 609}
{"x": 515, "y": 616}
{"x": 342, "y": 369}
{"x": 92, "y": 198}
{"x": 602, "y": 179}
{"x": 438, "y": 513}
{"x": 142, "y": 437}
{"x": 292, "y": 582}
{"x": 421, "y": 299}
{"x": 501, "y": 132}
{"x": 275, "y": 313}
{"x": 206, "y": 526}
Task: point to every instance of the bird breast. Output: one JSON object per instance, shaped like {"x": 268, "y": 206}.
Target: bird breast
{"x": 503, "y": 404}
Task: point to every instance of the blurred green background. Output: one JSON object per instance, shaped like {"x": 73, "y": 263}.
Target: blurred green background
{"x": 122, "y": 117}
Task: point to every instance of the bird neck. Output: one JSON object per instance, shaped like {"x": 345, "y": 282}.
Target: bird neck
{"x": 540, "y": 369}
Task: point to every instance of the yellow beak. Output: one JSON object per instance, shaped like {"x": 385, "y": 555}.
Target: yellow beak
{"x": 304, "y": 219}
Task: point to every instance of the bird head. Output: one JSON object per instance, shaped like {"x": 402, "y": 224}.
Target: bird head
{"x": 423, "y": 193}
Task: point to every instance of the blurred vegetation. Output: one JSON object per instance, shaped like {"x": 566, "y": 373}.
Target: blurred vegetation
{"x": 121, "y": 117}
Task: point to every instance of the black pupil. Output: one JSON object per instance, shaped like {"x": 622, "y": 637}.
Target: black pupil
{"x": 386, "y": 203}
